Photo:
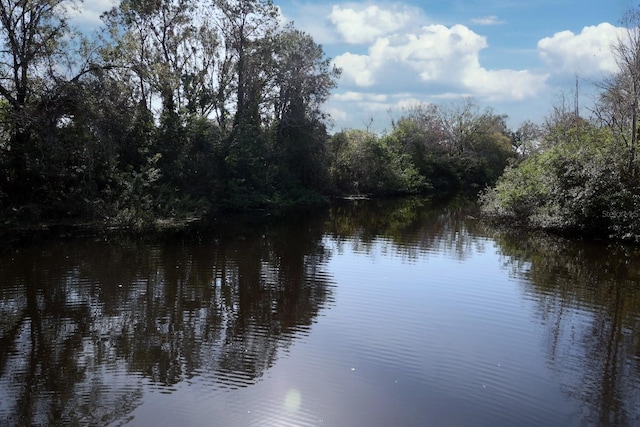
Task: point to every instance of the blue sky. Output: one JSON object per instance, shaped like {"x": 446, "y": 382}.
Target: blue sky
{"x": 516, "y": 56}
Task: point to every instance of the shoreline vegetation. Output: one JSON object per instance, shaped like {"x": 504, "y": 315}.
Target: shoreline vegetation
{"x": 176, "y": 112}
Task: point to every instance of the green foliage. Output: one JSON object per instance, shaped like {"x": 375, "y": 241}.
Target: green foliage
{"x": 188, "y": 111}
{"x": 239, "y": 124}
{"x": 451, "y": 148}
{"x": 425, "y": 152}
{"x": 362, "y": 163}
{"x": 518, "y": 193}
{"x": 575, "y": 186}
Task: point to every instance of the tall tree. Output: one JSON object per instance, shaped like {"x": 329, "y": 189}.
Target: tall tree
{"x": 172, "y": 49}
{"x": 152, "y": 38}
{"x": 34, "y": 77}
{"x": 303, "y": 79}
{"x": 247, "y": 26}
{"x": 627, "y": 85}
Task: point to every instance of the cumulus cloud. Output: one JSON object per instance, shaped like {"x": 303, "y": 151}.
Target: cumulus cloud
{"x": 397, "y": 50}
{"x": 437, "y": 56}
{"x": 372, "y": 110}
{"x": 357, "y": 25}
{"x": 338, "y": 114}
{"x": 357, "y": 68}
{"x": 588, "y": 53}
{"x": 504, "y": 84}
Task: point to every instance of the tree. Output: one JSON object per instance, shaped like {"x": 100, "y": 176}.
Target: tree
{"x": 182, "y": 103}
{"x": 613, "y": 107}
{"x": 526, "y": 140}
{"x": 454, "y": 145}
{"x": 247, "y": 27}
{"x": 303, "y": 77}
{"x": 625, "y": 90}
{"x": 33, "y": 37}
{"x": 457, "y": 124}
{"x": 464, "y": 125}
{"x": 360, "y": 163}
{"x": 420, "y": 130}
{"x": 173, "y": 49}
{"x": 302, "y": 81}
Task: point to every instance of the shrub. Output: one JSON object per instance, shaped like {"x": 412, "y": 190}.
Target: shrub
{"x": 578, "y": 186}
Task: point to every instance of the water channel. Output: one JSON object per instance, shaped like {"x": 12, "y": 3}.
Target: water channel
{"x": 366, "y": 313}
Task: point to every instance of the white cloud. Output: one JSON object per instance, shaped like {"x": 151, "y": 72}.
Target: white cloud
{"x": 87, "y": 13}
{"x": 504, "y": 84}
{"x": 307, "y": 17}
{"x": 487, "y": 20}
{"x": 346, "y": 106}
{"x": 357, "y": 25}
{"x": 440, "y": 53}
{"x": 437, "y": 56}
{"x": 351, "y": 96}
{"x": 338, "y": 115}
{"x": 357, "y": 68}
{"x": 588, "y": 54}
{"x": 405, "y": 102}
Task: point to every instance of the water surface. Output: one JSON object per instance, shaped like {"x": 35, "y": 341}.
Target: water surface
{"x": 407, "y": 313}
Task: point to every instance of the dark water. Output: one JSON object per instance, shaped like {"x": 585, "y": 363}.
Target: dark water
{"x": 404, "y": 313}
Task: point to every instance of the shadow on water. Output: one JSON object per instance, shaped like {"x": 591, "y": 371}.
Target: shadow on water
{"x": 587, "y": 295}
{"x": 86, "y": 325}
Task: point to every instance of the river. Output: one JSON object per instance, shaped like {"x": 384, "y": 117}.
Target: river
{"x": 366, "y": 313}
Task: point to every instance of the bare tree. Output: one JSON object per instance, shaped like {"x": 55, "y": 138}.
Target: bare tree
{"x": 464, "y": 125}
{"x": 627, "y": 85}
{"x": 613, "y": 108}
{"x": 527, "y": 139}
{"x": 561, "y": 124}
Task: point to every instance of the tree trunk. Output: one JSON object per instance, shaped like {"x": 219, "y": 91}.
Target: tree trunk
{"x": 634, "y": 139}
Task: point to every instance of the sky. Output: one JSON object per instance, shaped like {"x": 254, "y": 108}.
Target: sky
{"x": 517, "y": 57}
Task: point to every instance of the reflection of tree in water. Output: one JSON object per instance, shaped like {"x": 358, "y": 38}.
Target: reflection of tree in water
{"x": 85, "y": 325}
{"x": 414, "y": 226}
{"x": 45, "y": 327}
{"x": 589, "y": 297}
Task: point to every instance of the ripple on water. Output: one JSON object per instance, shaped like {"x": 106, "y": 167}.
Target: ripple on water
{"x": 443, "y": 330}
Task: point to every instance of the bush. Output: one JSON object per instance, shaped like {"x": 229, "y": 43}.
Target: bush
{"x": 577, "y": 186}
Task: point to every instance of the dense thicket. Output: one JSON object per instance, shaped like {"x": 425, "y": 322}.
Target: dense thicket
{"x": 184, "y": 108}
{"x": 431, "y": 148}
{"x": 583, "y": 175}
{"x": 175, "y": 107}
{"x": 189, "y": 107}
{"x": 582, "y": 183}
{"x": 180, "y": 108}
